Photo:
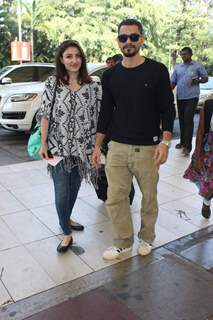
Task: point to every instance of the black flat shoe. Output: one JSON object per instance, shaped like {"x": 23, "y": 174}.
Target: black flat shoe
{"x": 76, "y": 226}
{"x": 63, "y": 249}
{"x": 206, "y": 211}
{"x": 179, "y": 146}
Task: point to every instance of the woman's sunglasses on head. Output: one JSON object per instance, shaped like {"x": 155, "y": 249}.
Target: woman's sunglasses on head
{"x": 134, "y": 37}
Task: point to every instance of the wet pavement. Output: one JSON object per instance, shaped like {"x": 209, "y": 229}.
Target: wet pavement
{"x": 164, "y": 285}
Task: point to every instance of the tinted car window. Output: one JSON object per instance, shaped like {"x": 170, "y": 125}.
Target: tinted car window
{"x": 98, "y": 72}
{"x": 25, "y": 74}
{"x": 3, "y": 70}
{"x": 45, "y": 72}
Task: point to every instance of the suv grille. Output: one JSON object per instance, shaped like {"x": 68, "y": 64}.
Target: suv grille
{"x": 13, "y": 115}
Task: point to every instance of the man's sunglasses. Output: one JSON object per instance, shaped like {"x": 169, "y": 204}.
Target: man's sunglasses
{"x": 134, "y": 37}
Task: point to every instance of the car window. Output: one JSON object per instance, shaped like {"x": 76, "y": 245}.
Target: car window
{"x": 45, "y": 72}
{"x": 25, "y": 74}
{"x": 3, "y": 70}
{"x": 99, "y": 72}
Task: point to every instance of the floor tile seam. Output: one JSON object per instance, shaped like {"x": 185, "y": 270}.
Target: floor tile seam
{"x": 9, "y": 189}
{"x": 35, "y": 207}
{"x": 175, "y": 199}
{"x": 184, "y": 197}
{"x": 86, "y": 263}
{"x": 18, "y": 200}
{"x": 26, "y": 247}
{"x": 10, "y": 248}
{"x": 179, "y": 188}
{"x": 12, "y": 232}
{"x": 41, "y": 206}
{"x": 34, "y": 217}
{"x": 33, "y": 186}
{"x": 179, "y": 235}
{"x": 89, "y": 204}
{"x": 23, "y": 244}
{"x": 6, "y": 289}
{"x": 44, "y": 270}
{"x": 92, "y": 224}
{"x": 42, "y": 223}
{"x": 14, "y": 212}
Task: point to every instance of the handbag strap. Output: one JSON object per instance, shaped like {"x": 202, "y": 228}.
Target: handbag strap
{"x": 53, "y": 100}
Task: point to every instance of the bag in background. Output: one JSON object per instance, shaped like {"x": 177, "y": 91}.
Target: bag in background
{"x": 34, "y": 143}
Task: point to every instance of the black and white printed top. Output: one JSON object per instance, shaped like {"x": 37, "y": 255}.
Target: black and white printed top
{"x": 73, "y": 123}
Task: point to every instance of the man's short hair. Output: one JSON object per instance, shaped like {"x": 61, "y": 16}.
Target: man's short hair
{"x": 187, "y": 49}
{"x": 131, "y": 22}
{"x": 108, "y": 59}
{"x": 117, "y": 58}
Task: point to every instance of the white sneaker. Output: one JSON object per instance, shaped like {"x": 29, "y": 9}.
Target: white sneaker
{"x": 144, "y": 248}
{"x": 112, "y": 253}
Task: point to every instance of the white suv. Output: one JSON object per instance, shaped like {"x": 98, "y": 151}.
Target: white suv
{"x": 21, "y": 87}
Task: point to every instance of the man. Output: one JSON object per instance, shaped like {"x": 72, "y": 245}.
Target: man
{"x": 109, "y": 62}
{"x": 137, "y": 97}
{"x": 117, "y": 58}
{"x": 187, "y": 76}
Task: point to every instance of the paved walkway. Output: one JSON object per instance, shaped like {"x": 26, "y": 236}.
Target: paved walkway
{"x": 29, "y": 231}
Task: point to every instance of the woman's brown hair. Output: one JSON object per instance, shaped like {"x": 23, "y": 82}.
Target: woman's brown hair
{"x": 61, "y": 72}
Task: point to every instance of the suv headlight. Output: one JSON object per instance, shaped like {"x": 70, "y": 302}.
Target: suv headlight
{"x": 22, "y": 97}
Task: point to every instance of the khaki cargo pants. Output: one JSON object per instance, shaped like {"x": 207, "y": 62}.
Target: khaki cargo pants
{"x": 123, "y": 162}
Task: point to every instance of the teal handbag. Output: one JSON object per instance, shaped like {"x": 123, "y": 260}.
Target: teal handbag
{"x": 34, "y": 142}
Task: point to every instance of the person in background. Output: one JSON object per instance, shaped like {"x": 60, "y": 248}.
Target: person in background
{"x": 109, "y": 62}
{"x": 68, "y": 130}
{"x": 117, "y": 58}
{"x": 187, "y": 76}
{"x": 200, "y": 170}
{"x": 137, "y": 98}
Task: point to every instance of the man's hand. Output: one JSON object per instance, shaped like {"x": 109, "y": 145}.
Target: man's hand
{"x": 195, "y": 81}
{"x": 161, "y": 154}
{"x": 96, "y": 157}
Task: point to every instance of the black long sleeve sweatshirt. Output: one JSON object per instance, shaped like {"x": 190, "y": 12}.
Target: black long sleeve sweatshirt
{"x": 135, "y": 102}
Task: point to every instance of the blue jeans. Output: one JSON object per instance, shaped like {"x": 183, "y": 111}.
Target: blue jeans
{"x": 66, "y": 186}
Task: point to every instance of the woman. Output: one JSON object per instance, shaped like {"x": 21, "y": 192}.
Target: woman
{"x": 69, "y": 112}
{"x": 200, "y": 170}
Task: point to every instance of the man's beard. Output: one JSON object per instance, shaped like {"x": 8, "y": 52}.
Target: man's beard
{"x": 129, "y": 53}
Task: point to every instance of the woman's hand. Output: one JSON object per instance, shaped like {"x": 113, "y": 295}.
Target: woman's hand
{"x": 96, "y": 157}
{"x": 43, "y": 152}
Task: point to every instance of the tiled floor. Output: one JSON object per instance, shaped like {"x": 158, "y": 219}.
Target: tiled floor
{"x": 29, "y": 231}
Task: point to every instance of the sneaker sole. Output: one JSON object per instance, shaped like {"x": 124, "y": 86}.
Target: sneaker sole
{"x": 120, "y": 256}
{"x": 144, "y": 254}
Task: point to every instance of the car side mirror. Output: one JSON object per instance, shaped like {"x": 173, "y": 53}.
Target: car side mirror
{"x": 6, "y": 80}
